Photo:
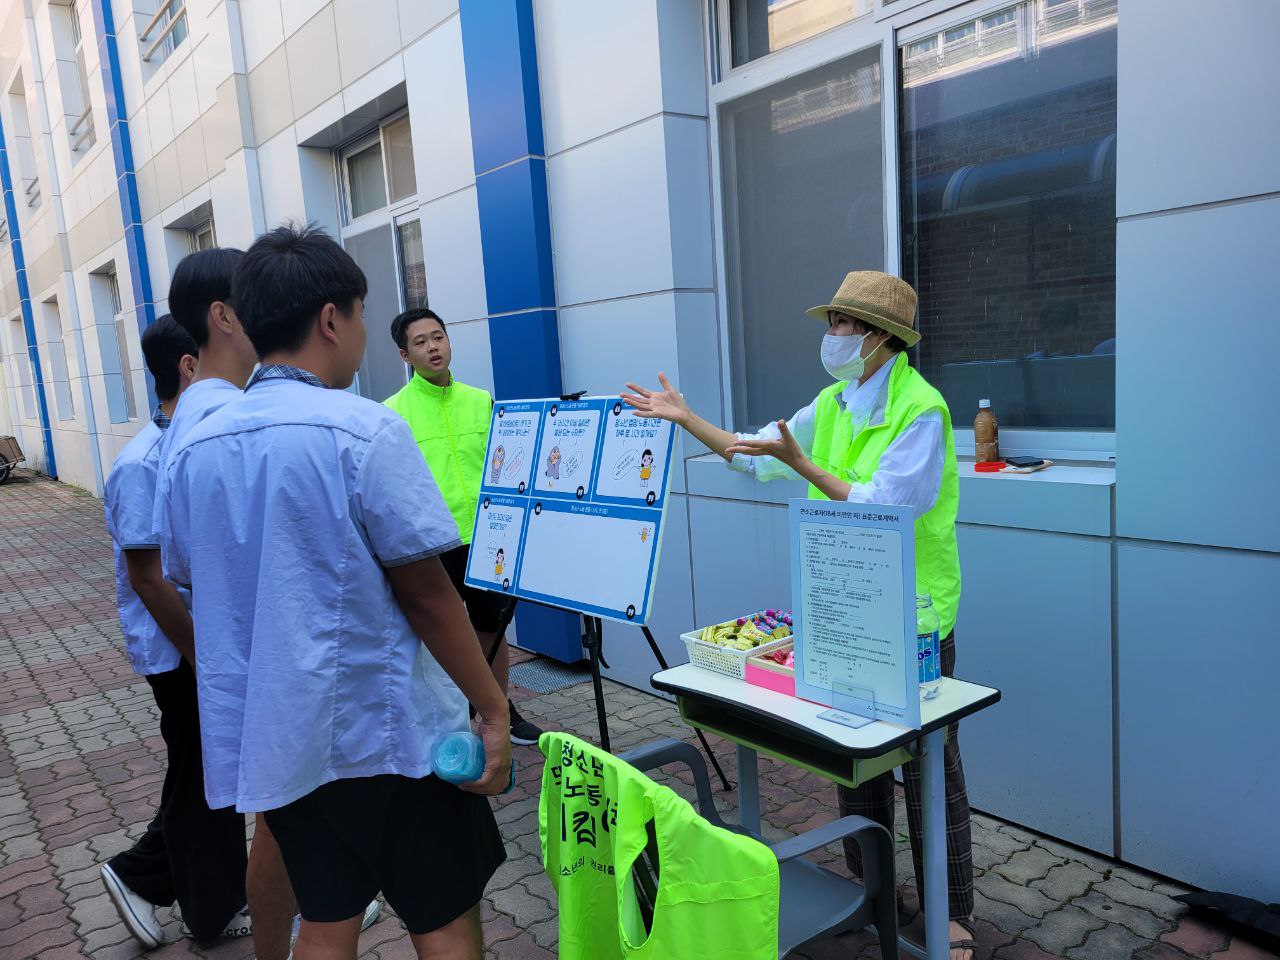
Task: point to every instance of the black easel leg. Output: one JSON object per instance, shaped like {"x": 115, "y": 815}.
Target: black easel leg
{"x": 594, "y": 641}
{"x": 501, "y": 634}
{"x": 702, "y": 738}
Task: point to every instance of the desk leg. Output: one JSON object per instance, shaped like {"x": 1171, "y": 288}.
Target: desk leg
{"x": 748, "y": 791}
{"x": 936, "y": 909}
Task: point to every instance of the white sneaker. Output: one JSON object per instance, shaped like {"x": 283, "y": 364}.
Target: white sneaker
{"x": 241, "y": 925}
{"x": 138, "y": 915}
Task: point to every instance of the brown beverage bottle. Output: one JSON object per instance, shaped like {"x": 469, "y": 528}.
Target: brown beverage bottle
{"x": 986, "y": 434}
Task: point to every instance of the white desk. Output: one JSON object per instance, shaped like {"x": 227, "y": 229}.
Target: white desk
{"x": 789, "y": 729}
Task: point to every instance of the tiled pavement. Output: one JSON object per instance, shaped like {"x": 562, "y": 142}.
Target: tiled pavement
{"x": 81, "y": 764}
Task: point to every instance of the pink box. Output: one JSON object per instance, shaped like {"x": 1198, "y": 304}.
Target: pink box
{"x": 771, "y": 676}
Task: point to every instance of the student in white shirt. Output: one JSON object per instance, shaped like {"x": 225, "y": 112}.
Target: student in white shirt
{"x": 332, "y": 651}
{"x": 190, "y": 854}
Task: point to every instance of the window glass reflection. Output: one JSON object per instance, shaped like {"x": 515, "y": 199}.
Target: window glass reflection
{"x": 1008, "y": 209}
{"x": 759, "y": 27}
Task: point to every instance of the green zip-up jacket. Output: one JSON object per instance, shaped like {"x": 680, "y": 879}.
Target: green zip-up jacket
{"x": 451, "y": 426}
{"x": 837, "y": 450}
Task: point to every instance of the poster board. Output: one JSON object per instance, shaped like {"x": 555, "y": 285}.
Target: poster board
{"x": 572, "y": 505}
{"x": 853, "y": 576}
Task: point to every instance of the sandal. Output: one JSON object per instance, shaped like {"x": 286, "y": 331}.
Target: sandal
{"x": 965, "y": 943}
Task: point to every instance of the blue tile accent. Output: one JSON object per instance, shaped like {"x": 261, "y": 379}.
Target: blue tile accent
{"x": 515, "y": 231}
{"x": 501, "y": 63}
{"x": 127, "y": 184}
{"x": 24, "y": 300}
{"x": 500, "y": 59}
{"x": 526, "y": 354}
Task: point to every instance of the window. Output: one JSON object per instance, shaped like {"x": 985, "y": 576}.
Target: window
{"x": 1008, "y": 146}
{"x": 26, "y": 373}
{"x": 68, "y": 46}
{"x": 202, "y": 238}
{"x": 120, "y": 324}
{"x": 383, "y": 233}
{"x": 401, "y": 180}
{"x": 413, "y": 269}
{"x": 803, "y": 190}
{"x": 759, "y": 27}
{"x": 21, "y": 145}
{"x": 165, "y": 31}
{"x": 59, "y": 375}
{"x": 377, "y": 171}
{"x": 366, "y": 189}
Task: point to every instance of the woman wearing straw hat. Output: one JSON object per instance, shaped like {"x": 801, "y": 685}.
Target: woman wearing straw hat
{"x": 880, "y": 434}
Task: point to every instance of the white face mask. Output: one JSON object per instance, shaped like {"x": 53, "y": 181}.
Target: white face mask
{"x": 841, "y": 356}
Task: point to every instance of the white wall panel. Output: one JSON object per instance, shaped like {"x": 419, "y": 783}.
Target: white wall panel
{"x": 1196, "y": 380}
{"x": 610, "y": 224}
{"x": 1204, "y": 133}
{"x": 454, "y": 259}
{"x": 1199, "y": 758}
{"x": 599, "y": 68}
{"x": 438, "y": 111}
{"x": 472, "y": 357}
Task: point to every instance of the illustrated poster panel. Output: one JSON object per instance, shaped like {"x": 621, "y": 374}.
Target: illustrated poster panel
{"x": 591, "y": 557}
{"x": 635, "y": 457}
{"x": 513, "y": 445}
{"x": 495, "y": 544}
{"x": 567, "y": 451}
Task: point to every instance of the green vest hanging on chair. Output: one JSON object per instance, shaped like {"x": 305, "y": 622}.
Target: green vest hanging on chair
{"x": 855, "y": 459}
{"x": 717, "y": 893}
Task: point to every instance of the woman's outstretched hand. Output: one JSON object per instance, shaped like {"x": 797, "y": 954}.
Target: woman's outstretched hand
{"x": 665, "y": 404}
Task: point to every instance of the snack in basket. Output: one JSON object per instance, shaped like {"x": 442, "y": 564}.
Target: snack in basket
{"x": 747, "y": 633}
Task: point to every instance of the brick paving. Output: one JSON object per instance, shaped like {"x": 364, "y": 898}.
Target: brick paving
{"x": 81, "y": 763}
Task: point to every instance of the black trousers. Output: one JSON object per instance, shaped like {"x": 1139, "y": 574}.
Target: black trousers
{"x": 874, "y": 800}
{"x": 189, "y": 854}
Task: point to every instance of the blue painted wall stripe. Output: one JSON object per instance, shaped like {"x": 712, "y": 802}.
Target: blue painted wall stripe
{"x": 500, "y": 59}
{"x": 24, "y": 299}
{"x": 126, "y": 179}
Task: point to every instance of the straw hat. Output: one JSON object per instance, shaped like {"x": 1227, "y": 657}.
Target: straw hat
{"x": 885, "y": 302}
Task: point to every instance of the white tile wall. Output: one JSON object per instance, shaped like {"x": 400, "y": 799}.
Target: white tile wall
{"x": 437, "y": 91}
{"x": 1196, "y": 136}
{"x": 282, "y": 196}
{"x": 609, "y": 216}
{"x": 472, "y": 358}
{"x": 294, "y": 13}
{"x": 419, "y": 16}
{"x": 262, "y": 28}
{"x": 373, "y": 83}
{"x": 453, "y": 255}
{"x": 182, "y": 95}
{"x": 598, "y": 67}
{"x": 368, "y": 33}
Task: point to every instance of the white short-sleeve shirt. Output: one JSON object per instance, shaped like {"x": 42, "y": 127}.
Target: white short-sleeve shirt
{"x": 128, "y": 501}
{"x": 285, "y": 507}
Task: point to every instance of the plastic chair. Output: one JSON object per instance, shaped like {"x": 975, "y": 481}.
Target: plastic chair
{"x": 814, "y": 902}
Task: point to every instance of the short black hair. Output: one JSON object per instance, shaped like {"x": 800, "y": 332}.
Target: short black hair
{"x": 164, "y": 344}
{"x": 286, "y": 278}
{"x": 401, "y": 324}
{"x": 200, "y": 279}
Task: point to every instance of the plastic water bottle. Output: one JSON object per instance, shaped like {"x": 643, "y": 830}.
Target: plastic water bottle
{"x": 459, "y": 758}
{"x": 928, "y": 646}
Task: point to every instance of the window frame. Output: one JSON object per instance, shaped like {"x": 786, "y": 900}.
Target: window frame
{"x": 893, "y": 24}
{"x": 391, "y": 215}
{"x": 199, "y": 230}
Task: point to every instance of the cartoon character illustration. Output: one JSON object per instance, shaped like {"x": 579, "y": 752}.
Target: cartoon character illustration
{"x": 646, "y": 467}
{"x": 499, "y": 457}
{"x": 553, "y": 466}
{"x": 498, "y": 561}
{"x": 644, "y": 534}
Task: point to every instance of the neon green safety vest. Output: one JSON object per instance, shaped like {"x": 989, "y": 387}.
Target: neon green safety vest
{"x": 856, "y": 459}
{"x": 717, "y": 891}
{"x": 451, "y": 425}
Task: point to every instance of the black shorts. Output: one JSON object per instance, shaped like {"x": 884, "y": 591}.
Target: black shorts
{"x": 429, "y": 847}
{"x": 484, "y": 607}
